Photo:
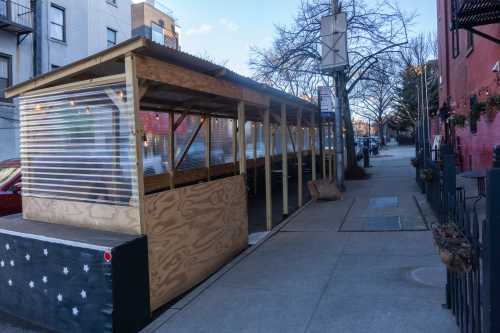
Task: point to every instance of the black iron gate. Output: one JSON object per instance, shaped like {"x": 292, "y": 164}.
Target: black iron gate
{"x": 473, "y": 296}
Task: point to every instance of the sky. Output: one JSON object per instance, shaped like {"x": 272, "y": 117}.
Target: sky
{"x": 225, "y": 30}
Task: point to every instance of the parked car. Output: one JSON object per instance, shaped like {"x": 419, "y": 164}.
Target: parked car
{"x": 10, "y": 187}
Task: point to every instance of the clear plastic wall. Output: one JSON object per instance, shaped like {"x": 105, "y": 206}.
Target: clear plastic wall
{"x": 78, "y": 145}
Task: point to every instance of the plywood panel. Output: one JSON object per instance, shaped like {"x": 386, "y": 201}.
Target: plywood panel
{"x": 82, "y": 214}
{"x": 192, "y": 231}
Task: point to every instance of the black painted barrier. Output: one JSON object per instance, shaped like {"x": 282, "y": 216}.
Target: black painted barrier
{"x": 70, "y": 279}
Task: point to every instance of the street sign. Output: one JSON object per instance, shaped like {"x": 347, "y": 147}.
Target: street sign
{"x": 325, "y": 95}
{"x": 334, "y": 43}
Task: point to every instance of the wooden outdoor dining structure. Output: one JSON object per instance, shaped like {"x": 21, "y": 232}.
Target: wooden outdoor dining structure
{"x": 142, "y": 139}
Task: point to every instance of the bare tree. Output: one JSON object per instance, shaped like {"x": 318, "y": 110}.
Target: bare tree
{"x": 377, "y": 94}
{"x": 415, "y": 59}
{"x": 292, "y": 63}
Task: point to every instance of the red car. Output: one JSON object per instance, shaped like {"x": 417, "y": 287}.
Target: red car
{"x": 10, "y": 187}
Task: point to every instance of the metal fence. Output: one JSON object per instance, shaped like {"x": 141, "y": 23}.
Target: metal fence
{"x": 473, "y": 296}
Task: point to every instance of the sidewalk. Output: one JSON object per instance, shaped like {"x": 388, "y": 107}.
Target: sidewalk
{"x": 365, "y": 264}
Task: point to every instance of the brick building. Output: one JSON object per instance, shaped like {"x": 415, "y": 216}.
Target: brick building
{"x": 469, "y": 90}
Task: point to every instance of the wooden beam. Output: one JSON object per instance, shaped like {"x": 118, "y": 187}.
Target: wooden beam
{"x": 300, "y": 171}
{"x": 284, "y": 158}
{"x": 132, "y": 84}
{"x": 254, "y": 143}
{"x": 235, "y": 145}
{"x": 312, "y": 141}
{"x": 189, "y": 144}
{"x": 75, "y": 68}
{"x": 241, "y": 138}
{"x": 161, "y": 71}
{"x": 267, "y": 157}
{"x": 208, "y": 145}
{"x": 171, "y": 149}
{"x": 330, "y": 153}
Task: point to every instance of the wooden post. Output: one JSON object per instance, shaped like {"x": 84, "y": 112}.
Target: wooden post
{"x": 312, "y": 141}
{"x": 235, "y": 145}
{"x": 208, "y": 144}
{"x": 254, "y": 142}
{"x": 300, "y": 145}
{"x": 267, "y": 158}
{"x": 171, "y": 149}
{"x": 132, "y": 84}
{"x": 330, "y": 153}
{"x": 284, "y": 158}
{"x": 241, "y": 138}
{"x": 324, "y": 134}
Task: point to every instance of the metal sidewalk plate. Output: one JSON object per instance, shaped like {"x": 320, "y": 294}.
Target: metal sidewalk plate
{"x": 382, "y": 223}
{"x": 383, "y": 202}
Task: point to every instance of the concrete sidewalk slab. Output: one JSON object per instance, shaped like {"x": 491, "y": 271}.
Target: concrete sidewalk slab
{"x": 309, "y": 277}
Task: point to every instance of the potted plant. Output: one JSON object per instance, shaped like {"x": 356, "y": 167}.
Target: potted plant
{"x": 426, "y": 175}
{"x": 414, "y": 162}
{"x": 459, "y": 120}
{"x": 454, "y": 248}
{"x": 492, "y": 107}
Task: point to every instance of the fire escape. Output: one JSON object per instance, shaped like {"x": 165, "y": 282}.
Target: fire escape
{"x": 16, "y": 18}
{"x": 469, "y": 14}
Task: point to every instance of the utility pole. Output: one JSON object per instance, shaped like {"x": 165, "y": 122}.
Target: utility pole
{"x": 339, "y": 121}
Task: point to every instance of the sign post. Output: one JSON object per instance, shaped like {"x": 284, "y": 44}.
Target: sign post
{"x": 334, "y": 62}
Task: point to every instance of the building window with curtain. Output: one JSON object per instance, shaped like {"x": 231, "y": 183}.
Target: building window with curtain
{"x": 111, "y": 37}
{"x": 5, "y": 75}
{"x": 57, "y": 23}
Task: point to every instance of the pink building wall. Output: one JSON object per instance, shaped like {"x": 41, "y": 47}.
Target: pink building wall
{"x": 464, "y": 76}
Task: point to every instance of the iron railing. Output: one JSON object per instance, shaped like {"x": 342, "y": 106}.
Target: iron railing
{"x": 16, "y": 13}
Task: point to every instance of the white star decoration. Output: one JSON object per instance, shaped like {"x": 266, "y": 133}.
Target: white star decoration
{"x": 10, "y": 282}
{"x": 86, "y": 268}
{"x": 31, "y": 284}
{"x": 75, "y": 311}
{"x": 12, "y": 263}
{"x": 44, "y": 279}
{"x": 45, "y": 252}
{"x": 59, "y": 298}
{"x": 28, "y": 257}
{"x": 2, "y": 263}
{"x": 83, "y": 294}
{"x": 7, "y": 246}
{"x": 65, "y": 271}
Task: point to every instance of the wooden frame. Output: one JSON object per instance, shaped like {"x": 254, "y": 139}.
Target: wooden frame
{"x": 151, "y": 80}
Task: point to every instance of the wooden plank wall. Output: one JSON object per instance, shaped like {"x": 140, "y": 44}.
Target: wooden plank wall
{"x": 192, "y": 231}
{"x": 81, "y": 214}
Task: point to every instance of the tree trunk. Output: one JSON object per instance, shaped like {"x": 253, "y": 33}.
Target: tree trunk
{"x": 381, "y": 133}
{"x": 352, "y": 163}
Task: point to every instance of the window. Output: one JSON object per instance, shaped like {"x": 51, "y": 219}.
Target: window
{"x": 57, "y": 23}
{"x": 455, "y": 40}
{"x": 157, "y": 33}
{"x": 111, "y": 37}
{"x": 5, "y": 75}
{"x": 470, "y": 41}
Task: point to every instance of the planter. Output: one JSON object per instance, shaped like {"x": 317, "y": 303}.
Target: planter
{"x": 414, "y": 162}
{"x": 426, "y": 175}
{"x": 454, "y": 248}
{"x": 492, "y": 108}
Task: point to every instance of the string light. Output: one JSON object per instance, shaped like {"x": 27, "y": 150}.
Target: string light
{"x": 145, "y": 139}
{"x": 38, "y": 107}
{"x": 157, "y": 116}
{"x": 72, "y": 103}
{"x": 87, "y": 110}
